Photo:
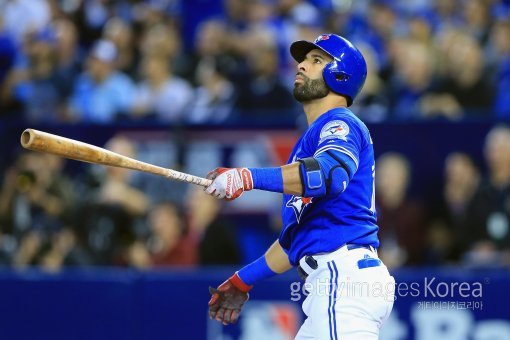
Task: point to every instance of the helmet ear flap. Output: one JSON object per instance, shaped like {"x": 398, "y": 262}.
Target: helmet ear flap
{"x": 328, "y": 74}
{"x": 333, "y": 77}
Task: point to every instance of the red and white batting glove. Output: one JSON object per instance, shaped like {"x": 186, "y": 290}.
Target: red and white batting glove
{"x": 229, "y": 183}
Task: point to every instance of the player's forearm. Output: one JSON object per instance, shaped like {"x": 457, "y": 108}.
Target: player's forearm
{"x": 230, "y": 183}
{"x": 328, "y": 173}
{"x": 285, "y": 179}
{"x": 277, "y": 259}
{"x": 292, "y": 179}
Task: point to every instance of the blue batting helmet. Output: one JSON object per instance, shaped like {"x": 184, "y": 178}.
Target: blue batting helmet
{"x": 347, "y": 72}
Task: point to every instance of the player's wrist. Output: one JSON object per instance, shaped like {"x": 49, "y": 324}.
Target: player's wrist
{"x": 256, "y": 271}
{"x": 239, "y": 283}
{"x": 246, "y": 178}
{"x": 268, "y": 179}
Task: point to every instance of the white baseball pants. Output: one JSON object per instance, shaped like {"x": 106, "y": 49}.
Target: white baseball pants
{"x": 350, "y": 296}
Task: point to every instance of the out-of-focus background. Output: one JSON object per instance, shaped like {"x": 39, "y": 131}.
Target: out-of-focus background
{"x": 89, "y": 252}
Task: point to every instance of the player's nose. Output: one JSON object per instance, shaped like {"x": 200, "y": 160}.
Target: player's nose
{"x": 301, "y": 66}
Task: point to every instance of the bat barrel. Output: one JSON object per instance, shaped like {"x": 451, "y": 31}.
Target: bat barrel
{"x": 69, "y": 148}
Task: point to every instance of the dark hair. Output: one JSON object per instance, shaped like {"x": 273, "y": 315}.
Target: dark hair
{"x": 225, "y": 65}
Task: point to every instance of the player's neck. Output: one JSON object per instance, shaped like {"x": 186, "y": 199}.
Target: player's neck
{"x": 316, "y": 108}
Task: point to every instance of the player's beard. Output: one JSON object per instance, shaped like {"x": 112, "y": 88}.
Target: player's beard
{"x": 311, "y": 89}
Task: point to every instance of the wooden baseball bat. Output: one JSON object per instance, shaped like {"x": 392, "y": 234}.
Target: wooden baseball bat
{"x": 69, "y": 148}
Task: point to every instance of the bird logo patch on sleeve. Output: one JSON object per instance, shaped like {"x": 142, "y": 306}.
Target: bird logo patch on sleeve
{"x": 336, "y": 129}
{"x": 298, "y": 204}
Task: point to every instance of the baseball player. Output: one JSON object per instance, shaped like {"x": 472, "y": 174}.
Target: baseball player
{"x": 329, "y": 220}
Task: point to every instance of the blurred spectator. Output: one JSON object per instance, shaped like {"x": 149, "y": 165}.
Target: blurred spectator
{"x": 469, "y": 93}
{"x": 170, "y": 244}
{"x": 414, "y": 77}
{"x": 165, "y": 41}
{"x": 236, "y": 20}
{"x": 210, "y": 38}
{"x": 68, "y": 56}
{"x": 372, "y": 103}
{"x": 299, "y": 11}
{"x": 242, "y": 21}
{"x": 383, "y": 26}
{"x": 446, "y": 14}
{"x": 217, "y": 243}
{"x": 22, "y": 17}
{"x": 215, "y": 97}
{"x": 121, "y": 34}
{"x": 488, "y": 218}
{"x": 36, "y": 194}
{"x": 400, "y": 218}
{"x": 36, "y": 200}
{"x": 210, "y": 43}
{"x": 109, "y": 216}
{"x": 420, "y": 30}
{"x": 64, "y": 250}
{"x": 38, "y": 86}
{"x": 106, "y": 231}
{"x": 262, "y": 96}
{"x": 297, "y": 20}
{"x": 477, "y": 19}
{"x": 102, "y": 93}
{"x": 29, "y": 247}
{"x": 261, "y": 13}
{"x": 116, "y": 188}
{"x": 447, "y": 227}
{"x": 154, "y": 12}
{"x": 162, "y": 94}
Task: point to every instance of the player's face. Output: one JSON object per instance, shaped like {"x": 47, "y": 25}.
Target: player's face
{"x": 309, "y": 83}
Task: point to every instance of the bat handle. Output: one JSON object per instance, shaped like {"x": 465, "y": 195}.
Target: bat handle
{"x": 204, "y": 182}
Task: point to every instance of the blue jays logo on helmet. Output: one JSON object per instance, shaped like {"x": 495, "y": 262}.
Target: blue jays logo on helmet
{"x": 322, "y": 37}
{"x": 298, "y": 204}
{"x": 347, "y": 73}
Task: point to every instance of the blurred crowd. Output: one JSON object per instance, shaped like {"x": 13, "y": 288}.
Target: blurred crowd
{"x": 101, "y": 61}
{"x": 467, "y": 223}
{"x": 50, "y": 219}
{"x": 220, "y": 61}
{"x": 106, "y": 217}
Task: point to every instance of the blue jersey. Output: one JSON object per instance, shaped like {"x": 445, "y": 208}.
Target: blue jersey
{"x": 323, "y": 224}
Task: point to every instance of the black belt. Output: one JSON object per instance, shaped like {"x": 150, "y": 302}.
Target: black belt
{"x": 312, "y": 263}
{"x": 309, "y": 261}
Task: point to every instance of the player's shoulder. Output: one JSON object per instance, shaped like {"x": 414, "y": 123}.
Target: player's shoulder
{"x": 339, "y": 123}
{"x": 349, "y": 117}
{"x": 341, "y": 114}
